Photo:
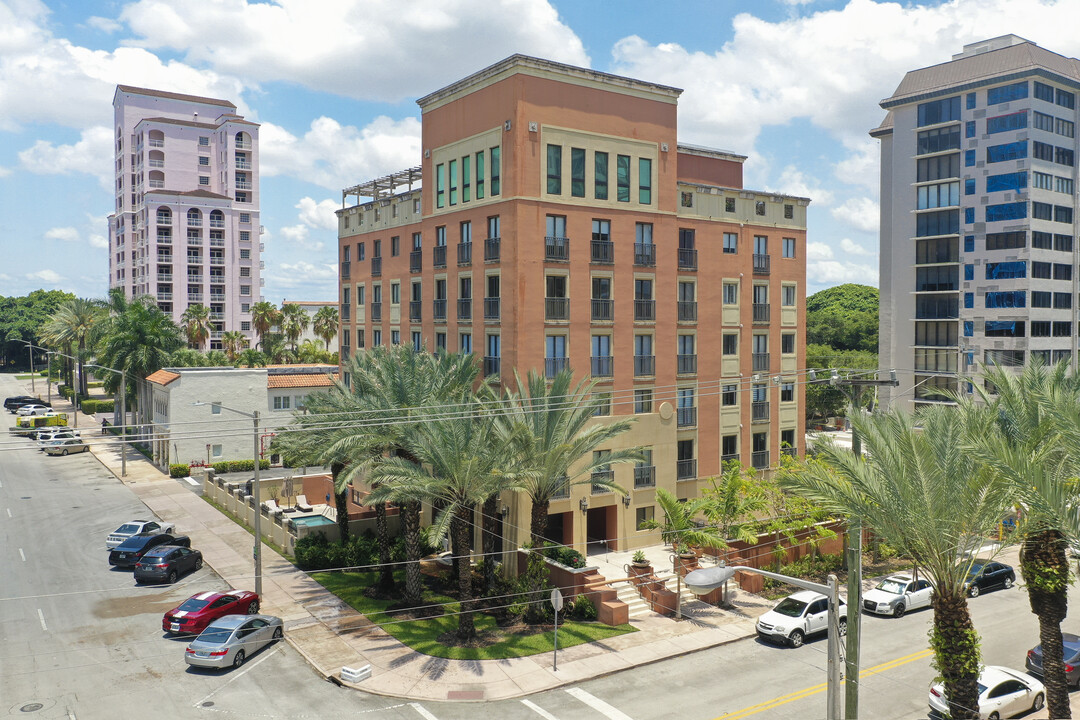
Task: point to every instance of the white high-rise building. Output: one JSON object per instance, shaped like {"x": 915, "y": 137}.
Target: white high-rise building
{"x": 186, "y": 224}
{"x": 978, "y": 217}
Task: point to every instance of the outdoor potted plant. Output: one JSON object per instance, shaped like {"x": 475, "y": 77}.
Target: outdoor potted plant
{"x": 640, "y": 561}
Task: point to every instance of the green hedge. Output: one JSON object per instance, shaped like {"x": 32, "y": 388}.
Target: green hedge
{"x": 179, "y": 470}
{"x": 315, "y": 552}
{"x": 97, "y": 406}
{"x": 227, "y": 466}
{"x": 566, "y": 556}
{"x": 65, "y": 391}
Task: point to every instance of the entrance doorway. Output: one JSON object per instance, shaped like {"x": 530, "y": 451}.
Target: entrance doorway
{"x": 599, "y": 523}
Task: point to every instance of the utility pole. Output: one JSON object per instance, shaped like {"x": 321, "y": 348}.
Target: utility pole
{"x": 33, "y": 386}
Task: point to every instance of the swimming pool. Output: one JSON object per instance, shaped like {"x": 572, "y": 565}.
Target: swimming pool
{"x": 311, "y": 521}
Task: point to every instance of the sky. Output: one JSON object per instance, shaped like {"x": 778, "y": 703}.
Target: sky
{"x": 792, "y": 84}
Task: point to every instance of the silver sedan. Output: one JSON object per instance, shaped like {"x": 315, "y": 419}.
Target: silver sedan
{"x": 232, "y": 639}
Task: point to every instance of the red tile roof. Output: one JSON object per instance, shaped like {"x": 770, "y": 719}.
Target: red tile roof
{"x": 301, "y": 380}
{"x": 162, "y": 377}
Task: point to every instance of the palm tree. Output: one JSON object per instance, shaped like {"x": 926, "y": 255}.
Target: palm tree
{"x": 678, "y": 527}
{"x": 923, "y": 493}
{"x": 217, "y": 358}
{"x": 233, "y": 341}
{"x": 733, "y": 500}
{"x": 71, "y": 326}
{"x": 1027, "y": 449}
{"x": 250, "y": 358}
{"x": 273, "y": 346}
{"x": 326, "y": 324}
{"x": 264, "y": 315}
{"x": 196, "y": 324}
{"x": 187, "y": 357}
{"x": 294, "y": 321}
{"x": 556, "y": 441}
{"x": 459, "y": 462}
{"x": 310, "y": 352}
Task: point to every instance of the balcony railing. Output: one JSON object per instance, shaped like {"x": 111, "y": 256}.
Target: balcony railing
{"x": 491, "y": 308}
{"x": 789, "y": 451}
{"x": 601, "y": 366}
{"x": 464, "y": 309}
{"x": 243, "y": 144}
{"x": 686, "y": 416}
{"x": 244, "y": 185}
{"x": 554, "y": 366}
{"x": 438, "y": 256}
{"x": 644, "y": 309}
{"x": 644, "y": 365}
{"x": 416, "y": 261}
{"x": 164, "y": 295}
{"x": 415, "y": 310}
{"x": 602, "y": 309}
{"x": 644, "y": 254}
{"x": 376, "y": 266}
{"x": 217, "y": 316}
{"x": 464, "y": 253}
{"x": 219, "y": 242}
{"x": 194, "y": 297}
{"x": 164, "y": 258}
{"x": 346, "y": 312}
{"x": 562, "y": 489}
{"x": 217, "y": 297}
{"x": 492, "y": 249}
{"x": 687, "y": 259}
{"x": 164, "y": 239}
{"x": 216, "y": 223}
{"x": 686, "y": 469}
{"x": 194, "y": 221}
{"x": 156, "y": 143}
{"x": 194, "y": 279}
{"x": 217, "y": 260}
{"x": 376, "y": 311}
{"x": 601, "y": 476}
{"x": 164, "y": 219}
{"x": 687, "y": 364}
{"x": 557, "y": 249}
{"x": 759, "y": 411}
{"x": 761, "y": 264}
{"x": 729, "y": 458}
{"x": 164, "y": 277}
{"x": 687, "y": 311}
{"x": 603, "y": 252}
{"x": 491, "y": 366}
{"x": 644, "y": 476}
{"x": 242, "y": 165}
{"x": 557, "y": 308}
{"x": 760, "y": 460}
{"x": 761, "y": 312}
{"x": 438, "y": 309}
{"x": 760, "y": 362}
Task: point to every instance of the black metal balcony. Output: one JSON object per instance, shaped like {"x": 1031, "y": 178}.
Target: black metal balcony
{"x": 759, "y": 411}
{"x": 686, "y": 469}
{"x": 346, "y": 269}
{"x": 687, "y": 259}
{"x": 645, "y": 310}
{"x": 415, "y": 310}
{"x": 601, "y": 366}
{"x": 687, "y": 364}
{"x": 644, "y": 365}
{"x": 492, "y": 249}
{"x": 557, "y": 249}
{"x": 760, "y": 460}
{"x": 601, "y": 476}
{"x": 761, "y": 264}
{"x": 376, "y": 311}
{"x": 761, "y": 312}
{"x": 603, "y": 310}
{"x": 557, "y": 308}
{"x": 491, "y": 366}
{"x": 554, "y": 366}
{"x": 789, "y": 451}
{"x": 464, "y": 309}
{"x": 562, "y": 489}
{"x": 645, "y": 254}
{"x": 760, "y": 362}
{"x": 464, "y": 253}
{"x": 438, "y": 310}
{"x": 376, "y": 266}
{"x": 416, "y": 261}
{"x": 491, "y": 308}
{"x": 687, "y": 311}
{"x": 438, "y": 256}
{"x": 729, "y": 458}
{"x": 644, "y": 476}
{"x": 686, "y": 416}
{"x": 603, "y": 252}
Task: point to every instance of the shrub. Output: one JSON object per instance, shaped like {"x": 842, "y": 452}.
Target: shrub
{"x": 179, "y": 470}
{"x": 565, "y": 556}
{"x": 583, "y": 608}
{"x": 97, "y": 406}
{"x": 65, "y": 391}
{"x": 312, "y": 552}
{"x": 227, "y": 466}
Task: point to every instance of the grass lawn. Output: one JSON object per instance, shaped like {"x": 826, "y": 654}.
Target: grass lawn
{"x": 422, "y": 635}
{"x": 27, "y": 376}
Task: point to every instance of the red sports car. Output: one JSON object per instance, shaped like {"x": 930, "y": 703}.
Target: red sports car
{"x": 198, "y": 611}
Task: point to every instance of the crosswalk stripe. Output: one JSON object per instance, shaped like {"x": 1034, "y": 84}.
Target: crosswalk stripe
{"x": 599, "y": 705}
{"x": 538, "y": 710}
{"x": 422, "y": 711}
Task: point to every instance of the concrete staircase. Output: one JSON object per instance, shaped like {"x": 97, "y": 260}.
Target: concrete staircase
{"x": 638, "y": 607}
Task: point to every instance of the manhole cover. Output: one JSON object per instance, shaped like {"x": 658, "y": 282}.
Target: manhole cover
{"x": 25, "y": 497}
{"x": 31, "y": 707}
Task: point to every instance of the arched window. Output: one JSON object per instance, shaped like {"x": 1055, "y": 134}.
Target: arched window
{"x": 194, "y": 217}
{"x": 157, "y": 159}
{"x": 157, "y": 179}
{"x": 243, "y": 141}
{"x": 217, "y": 219}
{"x": 164, "y": 215}
{"x": 157, "y": 138}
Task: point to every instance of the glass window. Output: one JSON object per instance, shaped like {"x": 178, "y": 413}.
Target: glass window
{"x": 600, "y": 176}
{"x": 1006, "y": 123}
{"x": 1044, "y": 92}
{"x": 788, "y": 247}
{"x": 577, "y": 172}
{"x": 480, "y": 175}
{"x": 554, "y": 169}
{"x": 787, "y": 343}
{"x": 731, "y": 242}
{"x": 453, "y": 181}
{"x": 970, "y": 100}
{"x": 939, "y": 167}
{"x": 622, "y": 178}
{"x": 1007, "y": 93}
{"x": 645, "y": 181}
{"x": 969, "y": 186}
{"x": 495, "y": 170}
{"x": 643, "y": 400}
{"x": 466, "y": 179}
{"x": 1009, "y": 151}
{"x": 969, "y": 158}
{"x": 787, "y": 295}
{"x": 729, "y": 395}
{"x": 730, "y": 344}
{"x": 731, "y": 293}
{"x": 969, "y": 129}
{"x": 440, "y": 185}
{"x": 939, "y": 111}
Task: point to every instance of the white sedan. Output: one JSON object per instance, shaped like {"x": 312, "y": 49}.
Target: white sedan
{"x": 32, "y": 410}
{"x": 50, "y": 435}
{"x": 1003, "y": 693}
{"x": 897, "y": 594}
{"x": 134, "y": 527}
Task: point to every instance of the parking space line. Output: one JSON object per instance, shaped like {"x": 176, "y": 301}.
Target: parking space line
{"x": 9, "y": 512}
{"x": 192, "y": 481}
{"x": 21, "y": 555}
{"x": 538, "y": 710}
{"x": 422, "y": 711}
{"x": 41, "y": 617}
{"x": 609, "y": 711}
{"x": 236, "y": 675}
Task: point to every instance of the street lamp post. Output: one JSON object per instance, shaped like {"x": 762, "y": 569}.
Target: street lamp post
{"x": 257, "y": 552}
{"x": 123, "y": 415}
{"x": 48, "y": 376}
{"x": 704, "y": 581}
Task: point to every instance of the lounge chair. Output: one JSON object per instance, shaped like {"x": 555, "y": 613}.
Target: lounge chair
{"x": 271, "y": 507}
{"x": 302, "y": 503}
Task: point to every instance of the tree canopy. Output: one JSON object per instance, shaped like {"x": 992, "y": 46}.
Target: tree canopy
{"x": 844, "y": 317}
{"x": 21, "y": 319}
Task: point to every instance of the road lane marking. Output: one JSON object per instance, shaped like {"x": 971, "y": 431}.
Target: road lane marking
{"x": 238, "y": 674}
{"x": 41, "y": 617}
{"x": 599, "y": 705}
{"x": 9, "y": 512}
{"x": 192, "y": 481}
{"x": 814, "y": 690}
{"x": 422, "y": 711}
{"x": 538, "y": 710}
{"x": 21, "y": 555}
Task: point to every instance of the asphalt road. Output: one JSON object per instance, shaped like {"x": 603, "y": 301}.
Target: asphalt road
{"x": 83, "y": 641}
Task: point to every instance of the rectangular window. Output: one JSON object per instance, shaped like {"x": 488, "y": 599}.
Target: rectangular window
{"x": 1006, "y": 299}
{"x": 622, "y": 178}
{"x": 788, "y": 247}
{"x": 787, "y": 295}
{"x": 942, "y": 222}
{"x": 969, "y": 158}
{"x": 1006, "y": 211}
{"x": 1042, "y": 151}
{"x": 940, "y": 195}
{"x": 1040, "y": 298}
{"x": 969, "y": 243}
{"x": 1006, "y": 241}
{"x": 1006, "y": 182}
{"x": 1009, "y": 151}
{"x": 1040, "y": 328}
{"x": 787, "y": 343}
{"x": 939, "y": 167}
{"x": 969, "y": 300}
{"x": 970, "y": 101}
{"x": 731, "y": 242}
{"x": 729, "y": 395}
{"x": 1063, "y": 185}
{"x": 466, "y": 179}
{"x": 643, "y": 400}
{"x": 1042, "y": 121}
{"x": 731, "y": 293}
{"x": 939, "y": 111}
{"x": 1066, "y": 99}
{"x": 969, "y": 186}
{"x": 645, "y": 181}
{"x": 1043, "y": 181}
{"x": 1004, "y": 270}
{"x": 480, "y": 175}
{"x": 577, "y": 172}
{"x": 440, "y": 185}
{"x": 1007, "y": 93}
{"x": 969, "y": 215}
{"x": 1041, "y": 270}
{"x": 417, "y": 341}
{"x": 495, "y": 170}
{"x": 1006, "y": 123}
{"x": 1064, "y": 156}
{"x": 1044, "y": 92}
{"x": 730, "y": 344}
{"x": 1064, "y": 243}
{"x": 787, "y": 392}
{"x": 554, "y": 169}
{"x": 969, "y": 129}
{"x": 1062, "y": 272}
{"x": 600, "y": 175}
{"x": 453, "y": 181}
{"x": 1063, "y": 214}
{"x": 1042, "y": 211}
{"x": 1064, "y": 127}
{"x": 1003, "y": 328}
{"x": 395, "y": 246}
{"x": 969, "y": 272}
{"x": 465, "y": 342}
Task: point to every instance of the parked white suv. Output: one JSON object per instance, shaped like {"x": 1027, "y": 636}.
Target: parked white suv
{"x": 897, "y": 594}
{"x": 52, "y": 434}
{"x": 134, "y": 527}
{"x": 798, "y": 616}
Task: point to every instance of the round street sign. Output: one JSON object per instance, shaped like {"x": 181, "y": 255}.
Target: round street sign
{"x": 556, "y": 600}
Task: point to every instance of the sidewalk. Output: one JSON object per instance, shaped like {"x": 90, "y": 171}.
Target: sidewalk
{"x": 330, "y": 634}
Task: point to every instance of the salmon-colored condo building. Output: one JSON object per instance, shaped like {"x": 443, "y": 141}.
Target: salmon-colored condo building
{"x": 560, "y": 223}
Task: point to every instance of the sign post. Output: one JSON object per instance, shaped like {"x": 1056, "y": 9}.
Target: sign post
{"x": 556, "y": 602}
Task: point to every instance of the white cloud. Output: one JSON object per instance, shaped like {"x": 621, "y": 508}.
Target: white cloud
{"x": 105, "y": 25}
{"x": 67, "y": 234}
{"x": 818, "y": 251}
{"x": 369, "y": 49}
{"x": 50, "y": 277}
{"x": 298, "y": 234}
{"x": 835, "y": 272}
{"x": 850, "y": 247}
{"x": 98, "y": 241}
{"x": 335, "y": 156}
{"x": 793, "y": 181}
{"x": 318, "y": 214}
{"x": 92, "y": 154}
{"x": 861, "y": 165}
{"x": 861, "y": 213}
{"x": 4, "y": 172}
{"x": 303, "y": 279}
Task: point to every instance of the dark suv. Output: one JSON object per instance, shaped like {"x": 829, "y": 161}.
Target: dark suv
{"x": 129, "y": 552}
{"x": 166, "y": 562}
{"x": 14, "y": 403}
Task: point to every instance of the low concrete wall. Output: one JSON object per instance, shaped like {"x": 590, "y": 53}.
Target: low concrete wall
{"x": 583, "y": 581}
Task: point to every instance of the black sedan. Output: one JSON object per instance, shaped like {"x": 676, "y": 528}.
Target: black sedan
{"x": 129, "y": 552}
{"x": 1070, "y": 653}
{"x": 14, "y": 403}
{"x": 167, "y": 562}
{"x": 986, "y": 575}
